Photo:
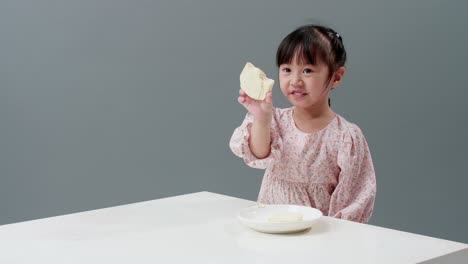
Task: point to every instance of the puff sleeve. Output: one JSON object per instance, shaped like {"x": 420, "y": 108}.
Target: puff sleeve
{"x": 354, "y": 196}
{"x": 239, "y": 144}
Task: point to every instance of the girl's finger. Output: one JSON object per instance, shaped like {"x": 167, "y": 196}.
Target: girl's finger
{"x": 268, "y": 98}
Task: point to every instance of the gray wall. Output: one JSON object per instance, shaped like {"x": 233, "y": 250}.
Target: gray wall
{"x": 111, "y": 102}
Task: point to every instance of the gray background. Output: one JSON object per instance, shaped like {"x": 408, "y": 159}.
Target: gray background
{"x": 105, "y": 103}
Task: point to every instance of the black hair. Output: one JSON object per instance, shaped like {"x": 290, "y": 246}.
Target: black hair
{"x": 313, "y": 43}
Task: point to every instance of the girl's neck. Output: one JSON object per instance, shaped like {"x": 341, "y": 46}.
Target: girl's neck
{"x": 313, "y": 113}
{"x": 312, "y": 119}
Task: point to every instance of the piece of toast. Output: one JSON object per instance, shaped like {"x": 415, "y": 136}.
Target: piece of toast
{"x": 254, "y": 82}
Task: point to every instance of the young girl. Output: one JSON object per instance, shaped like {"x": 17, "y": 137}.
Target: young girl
{"x": 312, "y": 156}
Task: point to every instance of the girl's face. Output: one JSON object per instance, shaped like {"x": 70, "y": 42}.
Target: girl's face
{"x": 304, "y": 85}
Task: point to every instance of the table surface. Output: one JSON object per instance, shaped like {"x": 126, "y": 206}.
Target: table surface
{"x": 203, "y": 228}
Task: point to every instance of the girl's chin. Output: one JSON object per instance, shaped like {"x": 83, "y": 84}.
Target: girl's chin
{"x": 299, "y": 100}
{"x": 305, "y": 103}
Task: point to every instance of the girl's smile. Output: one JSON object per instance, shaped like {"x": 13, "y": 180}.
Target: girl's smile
{"x": 297, "y": 94}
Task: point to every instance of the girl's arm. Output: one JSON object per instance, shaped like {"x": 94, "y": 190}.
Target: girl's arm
{"x": 256, "y": 140}
{"x": 260, "y": 137}
{"x": 260, "y": 134}
{"x": 354, "y": 196}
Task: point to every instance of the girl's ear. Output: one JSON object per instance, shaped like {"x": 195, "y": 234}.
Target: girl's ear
{"x": 338, "y": 76}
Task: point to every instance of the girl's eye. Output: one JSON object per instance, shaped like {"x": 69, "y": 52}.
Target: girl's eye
{"x": 286, "y": 69}
{"x": 308, "y": 71}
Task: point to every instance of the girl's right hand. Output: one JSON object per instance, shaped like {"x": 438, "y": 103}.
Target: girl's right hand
{"x": 260, "y": 109}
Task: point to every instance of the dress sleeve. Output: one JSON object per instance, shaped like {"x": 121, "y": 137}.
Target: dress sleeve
{"x": 354, "y": 196}
{"x": 239, "y": 144}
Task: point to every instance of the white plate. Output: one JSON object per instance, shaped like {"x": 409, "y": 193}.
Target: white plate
{"x": 256, "y": 217}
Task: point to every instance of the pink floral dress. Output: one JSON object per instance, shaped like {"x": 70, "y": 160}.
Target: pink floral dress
{"x": 330, "y": 170}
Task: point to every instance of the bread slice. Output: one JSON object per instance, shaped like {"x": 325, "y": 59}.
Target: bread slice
{"x": 254, "y": 82}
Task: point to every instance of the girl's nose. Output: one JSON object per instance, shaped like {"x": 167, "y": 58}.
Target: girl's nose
{"x": 296, "y": 80}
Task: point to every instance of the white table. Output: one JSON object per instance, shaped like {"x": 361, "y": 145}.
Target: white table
{"x": 203, "y": 228}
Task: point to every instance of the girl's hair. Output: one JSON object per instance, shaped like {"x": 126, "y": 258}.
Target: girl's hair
{"x": 313, "y": 44}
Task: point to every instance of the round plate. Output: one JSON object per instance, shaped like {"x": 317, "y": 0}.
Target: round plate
{"x": 257, "y": 217}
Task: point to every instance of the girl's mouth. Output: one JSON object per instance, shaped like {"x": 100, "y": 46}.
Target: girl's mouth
{"x": 298, "y": 93}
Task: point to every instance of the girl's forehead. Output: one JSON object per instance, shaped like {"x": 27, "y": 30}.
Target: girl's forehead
{"x": 300, "y": 58}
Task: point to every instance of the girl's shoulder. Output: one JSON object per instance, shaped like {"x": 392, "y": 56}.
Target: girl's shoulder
{"x": 348, "y": 131}
{"x": 282, "y": 116}
{"x": 345, "y": 125}
{"x": 281, "y": 112}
